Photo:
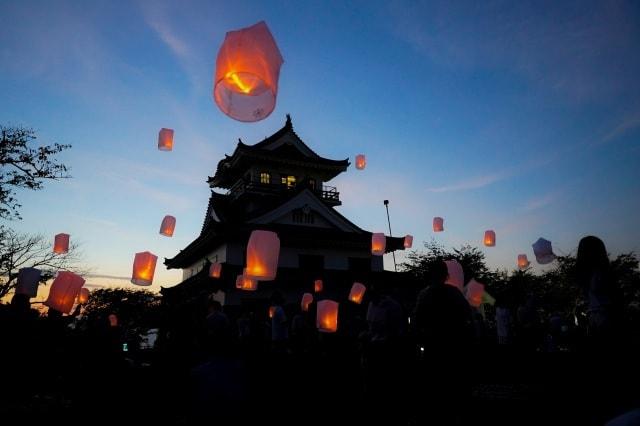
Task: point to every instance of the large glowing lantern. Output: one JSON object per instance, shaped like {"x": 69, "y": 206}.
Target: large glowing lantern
{"x": 215, "y": 269}
{"x": 165, "y": 139}
{"x": 438, "y": 224}
{"x": 307, "y": 299}
{"x": 247, "y": 72}
{"x": 318, "y": 286}
{"x": 61, "y": 244}
{"x": 28, "y": 280}
{"x": 456, "y": 274}
{"x": 357, "y": 292}
{"x": 489, "y": 238}
{"x": 245, "y": 283}
{"x": 83, "y": 296}
{"x": 361, "y": 161}
{"x": 144, "y": 267}
{"x": 474, "y": 292}
{"x": 327, "y": 316}
{"x": 64, "y": 290}
{"x": 523, "y": 262}
{"x": 167, "y": 226}
{"x": 378, "y": 243}
{"x": 263, "y": 250}
{"x": 543, "y": 251}
{"x": 408, "y": 241}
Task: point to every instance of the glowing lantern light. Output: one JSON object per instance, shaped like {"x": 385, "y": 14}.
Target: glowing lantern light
{"x": 361, "y": 162}
{"x": 543, "y": 251}
{"x": 408, "y": 241}
{"x": 474, "y": 292}
{"x": 263, "y": 250}
{"x": 144, "y": 267}
{"x": 317, "y": 286}
{"x": 357, "y": 292}
{"x": 83, "y": 296}
{"x": 456, "y": 274}
{"x": 489, "y": 238}
{"x": 438, "y": 224}
{"x": 165, "y": 139}
{"x": 64, "y": 290}
{"x": 113, "y": 320}
{"x": 378, "y": 243}
{"x": 272, "y": 311}
{"x": 307, "y": 299}
{"x": 61, "y": 244}
{"x": 28, "y": 280}
{"x": 215, "y": 269}
{"x": 247, "y": 72}
{"x": 167, "y": 226}
{"x": 523, "y": 262}
{"x": 327, "y": 316}
{"x": 245, "y": 283}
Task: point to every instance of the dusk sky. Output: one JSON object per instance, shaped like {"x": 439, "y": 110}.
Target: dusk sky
{"x": 520, "y": 118}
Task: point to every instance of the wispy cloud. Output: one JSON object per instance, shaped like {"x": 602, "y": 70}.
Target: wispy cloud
{"x": 472, "y": 183}
{"x": 541, "y": 201}
{"x": 628, "y": 123}
{"x": 142, "y": 190}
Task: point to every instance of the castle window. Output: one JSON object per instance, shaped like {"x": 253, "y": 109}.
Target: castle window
{"x": 289, "y": 181}
{"x": 265, "y": 177}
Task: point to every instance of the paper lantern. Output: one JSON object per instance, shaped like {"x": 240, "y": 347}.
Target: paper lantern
{"x": 144, "y": 267}
{"x": 456, "y": 274}
{"x": 64, "y": 290}
{"x": 408, "y": 241}
{"x": 378, "y": 243}
{"x": 83, "y": 296}
{"x": 167, "y": 226}
{"x": 474, "y": 292}
{"x": 317, "y": 286}
{"x": 523, "y": 262}
{"x": 263, "y": 250}
{"x": 543, "y": 251}
{"x": 307, "y": 299}
{"x": 489, "y": 238}
{"x": 361, "y": 162}
{"x": 61, "y": 244}
{"x": 247, "y": 71}
{"x": 327, "y": 316}
{"x": 438, "y": 224}
{"x": 215, "y": 269}
{"x": 165, "y": 139}
{"x": 113, "y": 320}
{"x": 272, "y": 311}
{"x": 245, "y": 283}
{"x": 357, "y": 293}
{"x": 28, "y": 280}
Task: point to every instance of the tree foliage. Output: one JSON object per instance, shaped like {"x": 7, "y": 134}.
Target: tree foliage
{"x": 135, "y": 309}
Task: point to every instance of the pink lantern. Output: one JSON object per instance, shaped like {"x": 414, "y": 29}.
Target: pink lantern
{"x": 317, "y": 286}
{"x": 307, "y": 299}
{"x": 215, "y": 269}
{"x": 144, "y": 267}
{"x": 247, "y": 72}
{"x": 167, "y": 226}
{"x": 61, "y": 244}
{"x": 64, "y": 290}
{"x": 489, "y": 238}
{"x": 408, "y": 241}
{"x": 113, "y": 320}
{"x": 327, "y": 316}
{"x": 245, "y": 283}
{"x": 28, "y": 280}
{"x": 165, "y": 139}
{"x": 474, "y": 292}
{"x": 357, "y": 293}
{"x": 438, "y": 224}
{"x": 263, "y": 250}
{"x": 378, "y": 243}
{"x": 523, "y": 262}
{"x": 361, "y": 162}
{"x": 83, "y": 296}
{"x": 456, "y": 274}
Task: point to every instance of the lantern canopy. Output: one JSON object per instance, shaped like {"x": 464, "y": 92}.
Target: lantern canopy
{"x": 378, "y": 243}
{"x": 357, "y": 292}
{"x": 64, "y": 290}
{"x": 28, "y": 280}
{"x": 247, "y": 72}
{"x": 83, "y": 296}
{"x": 245, "y": 283}
{"x": 456, "y": 274}
{"x": 318, "y": 286}
{"x": 168, "y": 225}
{"x": 263, "y": 250}
{"x": 215, "y": 269}
{"x": 61, "y": 244}
{"x": 543, "y": 251}
{"x": 408, "y": 241}
{"x": 144, "y": 267}
{"x": 361, "y": 161}
{"x": 438, "y": 224}
{"x": 327, "y": 316}
{"x": 523, "y": 262}
{"x": 307, "y": 299}
{"x": 489, "y": 238}
{"x": 165, "y": 139}
{"x": 474, "y": 291}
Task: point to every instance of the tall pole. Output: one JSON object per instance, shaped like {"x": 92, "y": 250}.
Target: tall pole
{"x": 386, "y": 204}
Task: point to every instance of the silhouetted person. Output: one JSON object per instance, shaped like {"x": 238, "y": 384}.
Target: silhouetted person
{"x": 529, "y": 327}
{"x": 279, "y": 326}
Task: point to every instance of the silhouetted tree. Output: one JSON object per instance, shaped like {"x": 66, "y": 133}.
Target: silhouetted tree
{"x": 135, "y": 309}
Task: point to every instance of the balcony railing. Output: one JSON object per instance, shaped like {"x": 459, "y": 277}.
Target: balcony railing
{"x": 327, "y": 193}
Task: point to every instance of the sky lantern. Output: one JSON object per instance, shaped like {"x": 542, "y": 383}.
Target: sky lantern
{"x": 378, "y": 243}
{"x": 83, "y": 296}
{"x": 113, "y": 320}
{"x": 408, "y": 241}
{"x": 245, "y": 283}
{"x": 474, "y": 291}
{"x": 327, "y": 316}
{"x": 144, "y": 267}
{"x": 215, "y": 269}
{"x": 456, "y": 274}
{"x": 361, "y": 161}
{"x": 63, "y": 292}
{"x": 248, "y": 65}
{"x": 523, "y": 262}
{"x": 318, "y": 286}
{"x": 167, "y": 226}
{"x": 489, "y": 238}
{"x": 272, "y": 311}
{"x": 263, "y": 250}
{"x": 61, "y": 244}
{"x": 165, "y": 139}
{"x": 307, "y": 299}
{"x": 438, "y": 224}
{"x": 357, "y": 292}
{"x": 543, "y": 251}
{"x": 28, "y": 280}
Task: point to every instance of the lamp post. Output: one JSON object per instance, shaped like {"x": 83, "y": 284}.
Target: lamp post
{"x": 386, "y": 204}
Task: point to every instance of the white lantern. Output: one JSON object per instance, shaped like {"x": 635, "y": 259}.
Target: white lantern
{"x": 28, "y": 280}
{"x": 307, "y": 299}
{"x": 215, "y": 270}
{"x": 456, "y": 274}
{"x": 408, "y": 241}
{"x": 83, "y": 296}
{"x": 523, "y": 262}
{"x": 168, "y": 225}
{"x": 361, "y": 162}
{"x": 543, "y": 251}
{"x": 357, "y": 292}
{"x": 61, "y": 244}
{"x": 144, "y": 268}
{"x": 263, "y": 250}
{"x": 474, "y": 291}
{"x": 378, "y": 243}
{"x": 64, "y": 290}
{"x": 165, "y": 139}
{"x": 245, "y": 283}
{"x": 327, "y": 316}
{"x": 438, "y": 224}
{"x": 318, "y": 286}
{"x": 489, "y": 238}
